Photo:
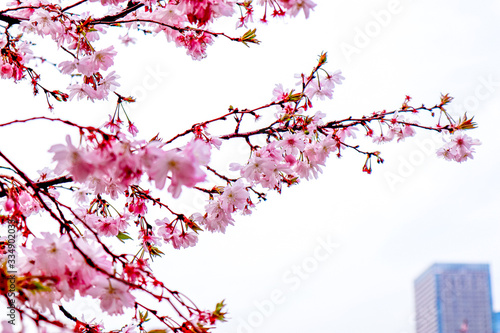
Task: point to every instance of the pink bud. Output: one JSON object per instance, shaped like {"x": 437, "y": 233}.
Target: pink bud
{"x": 9, "y": 204}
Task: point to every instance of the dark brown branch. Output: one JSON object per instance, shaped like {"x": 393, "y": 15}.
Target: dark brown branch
{"x": 131, "y": 7}
{"x": 67, "y": 314}
{"x": 9, "y": 19}
{"x": 47, "y": 183}
{"x": 52, "y": 182}
{"x": 73, "y": 5}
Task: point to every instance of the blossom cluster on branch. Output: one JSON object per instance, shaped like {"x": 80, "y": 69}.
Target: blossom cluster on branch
{"x": 74, "y": 28}
{"x": 101, "y": 189}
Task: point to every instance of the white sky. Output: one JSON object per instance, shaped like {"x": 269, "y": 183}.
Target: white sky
{"x": 386, "y": 235}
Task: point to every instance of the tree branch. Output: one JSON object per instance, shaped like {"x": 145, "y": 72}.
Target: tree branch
{"x": 9, "y": 19}
{"x": 131, "y": 7}
{"x": 47, "y": 183}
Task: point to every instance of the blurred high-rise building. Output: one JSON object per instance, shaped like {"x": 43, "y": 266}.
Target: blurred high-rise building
{"x": 496, "y": 322}
{"x": 454, "y": 298}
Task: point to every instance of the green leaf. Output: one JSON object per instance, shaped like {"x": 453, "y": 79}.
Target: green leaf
{"x": 122, "y": 236}
{"x": 192, "y": 225}
{"x": 143, "y": 317}
{"x": 37, "y": 286}
{"x": 218, "y": 314}
{"x": 249, "y": 37}
{"x": 155, "y": 252}
{"x": 294, "y": 97}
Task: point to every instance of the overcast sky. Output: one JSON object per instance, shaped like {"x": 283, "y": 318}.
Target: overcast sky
{"x": 338, "y": 254}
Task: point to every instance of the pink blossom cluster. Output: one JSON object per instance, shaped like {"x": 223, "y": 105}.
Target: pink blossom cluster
{"x": 78, "y": 32}
{"x": 113, "y": 165}
{"x": 202, "y": 12}
{"x": 66, "y": 30}
{"x": 292, "y": 7}
{"x": 295, "y": 6}
{"x": 55, "y": 271}
{"x": 398, "y": 128}
{"x": 95, "y": 86}
{"x": 13, "y": 59}
{"x": 10, "y": 70}
{"x": 459, "y": 148}
{"x": 195, "y": 43}
{"x": 43, "y": 22}
{"x": 170, "y": 234}
{"x": 107, "y": 225}
{"x": 324, "y": 88}
{"x": 294, "y": 156}
{"x": 219, "y": 210}
{"x": 22, "y": 203}
{"x": 316, "y": 86}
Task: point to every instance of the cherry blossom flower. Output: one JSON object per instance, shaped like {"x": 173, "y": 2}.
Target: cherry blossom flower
{"x": 113, "y": 124}
{"x": 203, "y": 318}
{"x": 7, "y": 327}
{"x": 257, "y": 167}
{"x": 135, "y": 271}
{"x": 199, "y": 150}
{"x": 27, "y": 204}
{"x": 165, "y": 229}
{"x": 195, "y": 43}
{"x": 72, "y": 159}
{"x": 344, "y": 133}
{"x": 103, "y": 59}
{"x": 279, "y": 93}
{"x": 292, "y": 143}
{"x": 322, "y": 149}
{"x": 137, "y": 206}
{"x": 132, "y": 129}
{"x": 148, "y": 238}
{"x": 107, "y": 85}
{"x": 51, "y": 253}
{"x": 306, "y": 169}
{"x": 86, "y": 66}
{"x": 172, "y": 235}
{"x": 317, "y": 120}
{"x": 216, "y": 220}
{"x": 126, "y": 39}
{"x": 170, "y": 15}
{"x": 382, "y": 138}
{"x": 216, "y": 142}
{"x": 319, "y": 90}
{"x": 183, "y": 240}
{"x": 6, "y": 70}
{"x": 295, "y": 6}
{"x": 460, "y": 148}
{"x": 332, "y": 79}
{"x": 68, "y": 67}
{"x": 44, "y": 22}
{"x": 234, "y": 196}
{"x": 11, "y": 205}
{"x": 114, "y": 295}
{"x": 406, "y": 132}
{"x": 182, "y": 166}
{"x": 82, "y": 91}
{"x": 108, "y": 226}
